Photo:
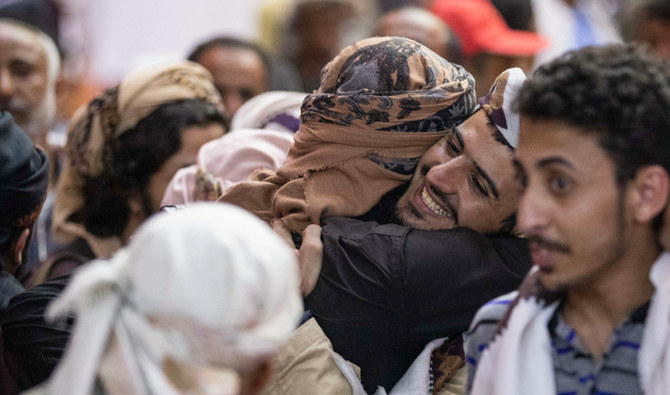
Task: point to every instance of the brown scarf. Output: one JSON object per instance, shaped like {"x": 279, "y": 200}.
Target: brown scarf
{"x": 382, "y": 103}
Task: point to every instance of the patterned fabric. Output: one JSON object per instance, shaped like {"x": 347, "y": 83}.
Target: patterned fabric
{"x": 523, "y": 343}
{"x": 445, "y": 362}
{"x": 381, "y": 104}
{"x": 94, "y": 129}
{"x": 207, "y": 187}
{"x": 500, "y": 101}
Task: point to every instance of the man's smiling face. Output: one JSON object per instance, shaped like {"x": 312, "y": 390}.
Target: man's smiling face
{"x": 466, "y": 179}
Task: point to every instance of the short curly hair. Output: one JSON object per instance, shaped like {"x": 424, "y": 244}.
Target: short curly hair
{"x": 620, "y": 92}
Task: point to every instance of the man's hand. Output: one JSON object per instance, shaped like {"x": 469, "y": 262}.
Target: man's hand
{"x": 310, "y": 258}
{"x": 310, "y": 255}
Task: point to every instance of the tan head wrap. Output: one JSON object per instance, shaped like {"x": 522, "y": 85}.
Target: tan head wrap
{"x": 382, "y": 103}
{"x": 95, "y": 127}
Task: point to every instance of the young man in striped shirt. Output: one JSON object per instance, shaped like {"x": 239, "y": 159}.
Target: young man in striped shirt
{"x": 592, "y": 316}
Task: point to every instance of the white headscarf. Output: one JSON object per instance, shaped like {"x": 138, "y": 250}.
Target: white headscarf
{"x": 210, "y": 284}
{"x": 225, "y": 162}
{"x": 275, "y": 110}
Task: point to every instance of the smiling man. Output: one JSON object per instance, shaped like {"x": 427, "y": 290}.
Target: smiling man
{"x": 384, "y": 290}
{"x": 466, "y": 179}
{"x": 592, "y": 317}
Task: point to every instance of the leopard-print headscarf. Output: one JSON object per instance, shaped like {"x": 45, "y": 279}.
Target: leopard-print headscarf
{"x": 381, "y": 104}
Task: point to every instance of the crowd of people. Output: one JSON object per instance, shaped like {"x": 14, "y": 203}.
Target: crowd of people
{"x": 470, "y": 198}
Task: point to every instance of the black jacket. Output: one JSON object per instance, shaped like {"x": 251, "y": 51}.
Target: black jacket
{"x": 385, "y": 291}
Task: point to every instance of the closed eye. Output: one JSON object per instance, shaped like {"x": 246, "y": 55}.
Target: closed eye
{"x": 454, "y": 146}
{"x": 452, "y": 149}
{"x": 477, "y": 186}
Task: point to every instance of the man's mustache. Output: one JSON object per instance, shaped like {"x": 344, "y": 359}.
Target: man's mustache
{"x": 13, "y": 105}
{"x": 538, "y": 241}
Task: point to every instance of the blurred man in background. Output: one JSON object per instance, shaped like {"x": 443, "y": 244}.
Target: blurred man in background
{"x": 489, "y": 45}
{"x": 422, "y": 26}
{"x": 29, "y": 68}
{"x": 240, "y": 69}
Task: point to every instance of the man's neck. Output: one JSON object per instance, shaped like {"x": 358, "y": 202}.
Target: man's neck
{"x": 596, "y": 309}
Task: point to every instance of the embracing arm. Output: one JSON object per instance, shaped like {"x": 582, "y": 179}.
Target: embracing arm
{"x": 384, "y": 291}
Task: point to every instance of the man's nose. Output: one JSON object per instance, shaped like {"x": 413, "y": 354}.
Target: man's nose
{"x": 533, "y": 212}
{"x": 446, "y": 177}
{"x": 6, "y": 83}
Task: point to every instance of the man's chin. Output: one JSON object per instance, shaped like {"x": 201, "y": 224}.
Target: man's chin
{"x": 413, "y": 220}
{"x": 404, "y": 214}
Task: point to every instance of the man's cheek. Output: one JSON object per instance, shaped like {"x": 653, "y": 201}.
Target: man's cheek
{"x": 665, "y": 230}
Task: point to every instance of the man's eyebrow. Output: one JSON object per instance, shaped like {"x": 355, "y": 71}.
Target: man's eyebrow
{"x": 554, "y": 160}
{"x": 488, "y": 179}
{"x": 457, "y": 132}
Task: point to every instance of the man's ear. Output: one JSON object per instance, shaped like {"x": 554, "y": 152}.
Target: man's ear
{"x": 20, "y": 246}
{"x": 650, "y": 190}
{"x": 136, "y": 207}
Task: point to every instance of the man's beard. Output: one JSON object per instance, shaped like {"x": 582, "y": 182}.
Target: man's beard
{"x": 37, "y": 122}
{"x": 385, "y": 211}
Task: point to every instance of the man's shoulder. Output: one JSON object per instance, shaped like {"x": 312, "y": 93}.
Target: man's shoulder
{"x": 483, "y": 328}
{"x": 493, "y": 311}
{"x": 485, "y": 323}
{"x": 356, "y": 228}
{"x": 455, "y": 245}
{"x": 469, "y": 249}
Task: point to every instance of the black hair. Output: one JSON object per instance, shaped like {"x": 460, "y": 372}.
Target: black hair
{"x": 658, "y": 9}
{"x": 229, "y": 42}
{"x": 497, "y": 134}
{"x": 621, "y": 93}
{"x": 508, "y": 224}
{"x": 139, "y": 153}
